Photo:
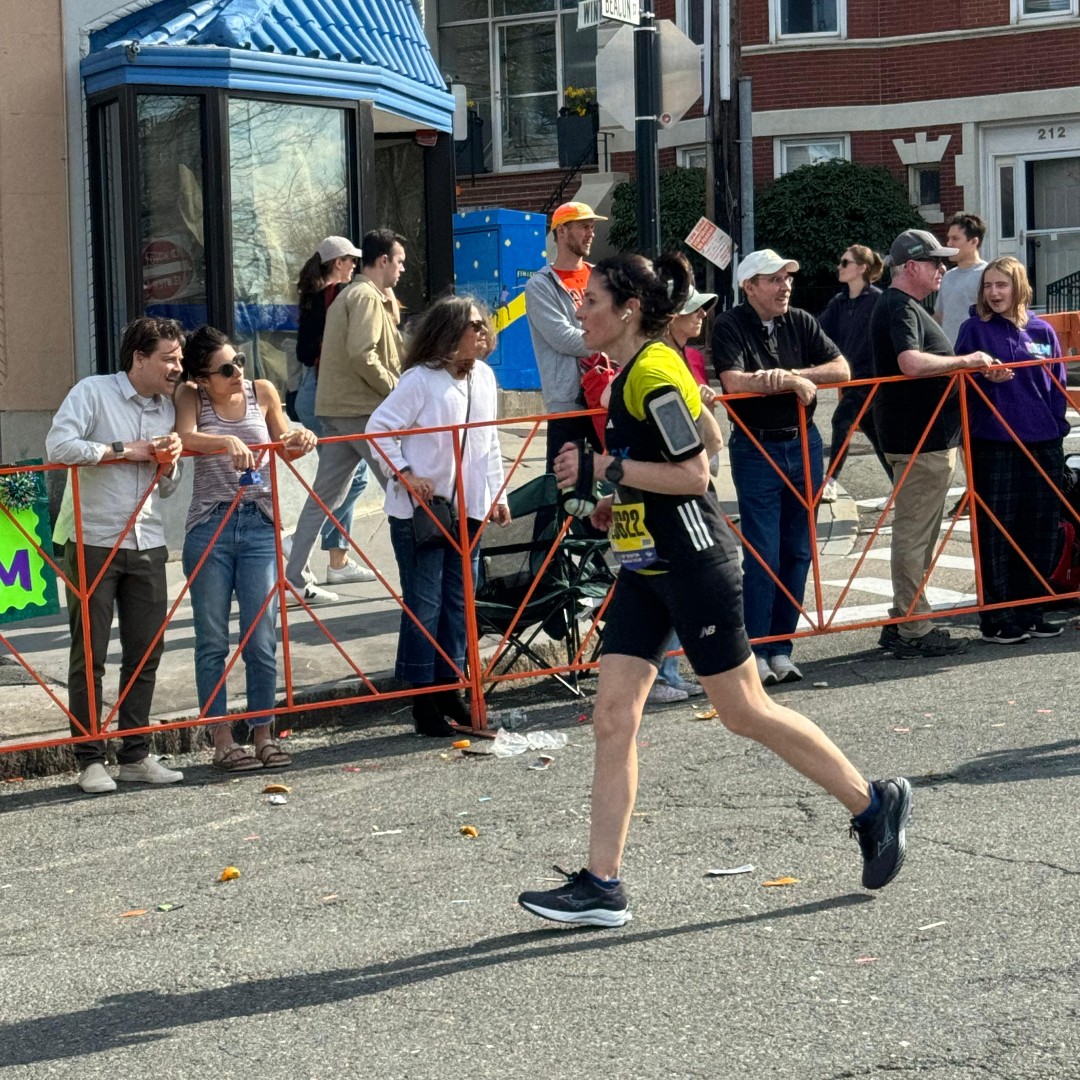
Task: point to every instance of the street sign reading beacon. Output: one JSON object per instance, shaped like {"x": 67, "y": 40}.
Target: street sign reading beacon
{"x": 624, "y": 11}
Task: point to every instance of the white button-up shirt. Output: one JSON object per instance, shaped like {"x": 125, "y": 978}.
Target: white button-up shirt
{"x": 99, "y": 411}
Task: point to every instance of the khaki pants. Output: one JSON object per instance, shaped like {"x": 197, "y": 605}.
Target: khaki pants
{"x": 919, "y": 505}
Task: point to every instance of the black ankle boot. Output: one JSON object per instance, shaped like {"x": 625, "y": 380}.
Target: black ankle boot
{"x": 428, "y": 717}
{"x": 453, "y": 707}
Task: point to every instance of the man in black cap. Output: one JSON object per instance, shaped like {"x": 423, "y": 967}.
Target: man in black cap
{"x": 907, "y": 341}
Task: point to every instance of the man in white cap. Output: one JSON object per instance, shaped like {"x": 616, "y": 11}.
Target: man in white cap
{"x": 552, "y": 298}
{"x": 764, "y": 346}
{"x": 907, "y": 341}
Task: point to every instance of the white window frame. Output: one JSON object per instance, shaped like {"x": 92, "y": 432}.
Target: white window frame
{"x": 808, "y": 39}
{"x": 930, "y": 211}
{"x": 780, "y": 147}
{"x": 1018, "y": 15}
{"x": 683, "y": 154}
{"x": 682, "y": 17}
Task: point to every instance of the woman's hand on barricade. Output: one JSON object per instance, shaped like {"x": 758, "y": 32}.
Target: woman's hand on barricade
{"x": 997, "y": 373}
{"x": 240, "y": 452}
{"x": 500, "y": 514}
{"x": 601, "y": 517}
{"x": 299, "y": 442}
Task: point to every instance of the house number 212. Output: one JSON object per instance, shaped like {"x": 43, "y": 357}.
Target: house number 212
{"x": 1052, "y": 132}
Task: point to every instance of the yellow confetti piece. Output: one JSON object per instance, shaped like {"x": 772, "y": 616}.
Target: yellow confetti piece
{"x": 781, "y": 881}
{"x": 277, "y": 789}
{"x": 229, "y": 874}
{"x": 133, "y": 913}
{"x": 470, "y": 831}
{"x": 705, "y": 714}
{"x": 460, "y": 744}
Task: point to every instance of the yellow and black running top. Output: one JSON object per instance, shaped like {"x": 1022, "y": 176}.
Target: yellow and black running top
{"x": 652, "y": 416}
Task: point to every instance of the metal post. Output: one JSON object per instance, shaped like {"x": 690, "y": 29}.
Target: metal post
{"x": 646, "y": 111}
{"x": 746, "y": 163}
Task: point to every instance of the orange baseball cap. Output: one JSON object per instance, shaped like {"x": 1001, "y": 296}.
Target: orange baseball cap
{"x": 574, "y": 211}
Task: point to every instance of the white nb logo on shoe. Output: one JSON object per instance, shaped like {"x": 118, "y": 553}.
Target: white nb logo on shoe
{"x": 707, "y": 631}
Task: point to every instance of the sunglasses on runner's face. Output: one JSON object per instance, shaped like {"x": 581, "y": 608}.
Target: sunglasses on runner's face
{"x": 847, "y": 262}
{"x": 228, "y": 370}
{"x": 478, "y": 325}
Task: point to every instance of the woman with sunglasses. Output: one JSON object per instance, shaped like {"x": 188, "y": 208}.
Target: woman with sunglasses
{"x": 444, "y": 382}
{"x": 322, "y": 277}
{"x": 1003, "y": 461}
{"x": 221, "y": 415}
{"x": 846, "y": 319}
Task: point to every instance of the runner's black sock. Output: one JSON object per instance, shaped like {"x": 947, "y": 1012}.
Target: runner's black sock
{"x": 604, "y": 883}
{"x": 873, "y": 808}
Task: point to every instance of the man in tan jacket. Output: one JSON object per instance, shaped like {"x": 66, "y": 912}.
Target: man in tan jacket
{"x": 360, "y": 364}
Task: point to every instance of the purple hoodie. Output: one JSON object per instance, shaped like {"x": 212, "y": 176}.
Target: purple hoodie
{"x": 1029, "y": 402}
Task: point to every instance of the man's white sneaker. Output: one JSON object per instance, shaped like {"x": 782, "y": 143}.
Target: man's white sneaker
{"x": 831, "y": 491}
{"x": 94, "y": 780}
{"x": 784, "y": 669}
{"x": 351, "y": 571}
{"x": 313, "y": 596}
{"x": 765, "y": 673}
{"x": 662, "y": 694}
{"x": 149, "y": 771}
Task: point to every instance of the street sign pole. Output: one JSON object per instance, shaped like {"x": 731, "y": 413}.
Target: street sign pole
{"x": 647, "y": 108}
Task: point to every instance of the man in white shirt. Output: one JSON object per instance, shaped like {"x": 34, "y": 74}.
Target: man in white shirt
{"x": 124, "y": 417}
{"x": 960, "y": 285}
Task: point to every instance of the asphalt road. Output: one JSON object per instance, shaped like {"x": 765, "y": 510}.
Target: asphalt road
{"x": 367, "y": 937}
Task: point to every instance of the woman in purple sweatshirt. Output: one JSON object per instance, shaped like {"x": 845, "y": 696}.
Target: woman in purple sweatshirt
{"x": 1033, "y": 406}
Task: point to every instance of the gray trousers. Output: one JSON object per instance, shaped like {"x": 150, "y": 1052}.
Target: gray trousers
{"x": 337, "y": 463}
{"x": 134, "y": 584}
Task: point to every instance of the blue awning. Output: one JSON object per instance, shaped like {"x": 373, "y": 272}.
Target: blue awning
{"x": 374, "y": 49}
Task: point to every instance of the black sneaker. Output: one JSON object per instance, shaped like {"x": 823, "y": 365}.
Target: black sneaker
{"x": 1044, "y": 628}
{"x": 882, "y": 837}
{"x": 959, "y": 510}
{"x": 580, "y": 901}
{"x": 1006, "y": 634}
{"x": 936, "y": 643}
{"x": 889, "y": 636}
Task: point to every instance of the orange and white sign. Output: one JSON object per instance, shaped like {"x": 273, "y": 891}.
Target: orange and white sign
{"x": 711, "y": 241}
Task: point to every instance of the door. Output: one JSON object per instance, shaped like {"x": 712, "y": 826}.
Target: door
{"x": 1048, "y": 202}
{"x": 527, "y": 93}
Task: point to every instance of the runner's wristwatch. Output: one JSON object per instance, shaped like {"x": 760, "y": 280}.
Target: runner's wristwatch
{"x": 614, "y": 472}
{"x": 117, "y": 448}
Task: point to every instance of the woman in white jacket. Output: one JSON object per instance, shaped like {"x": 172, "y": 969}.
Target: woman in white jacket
{"x": 444, "y": 382}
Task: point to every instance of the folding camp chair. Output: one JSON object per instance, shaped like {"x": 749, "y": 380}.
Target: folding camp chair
{"x": 572, "y": 576}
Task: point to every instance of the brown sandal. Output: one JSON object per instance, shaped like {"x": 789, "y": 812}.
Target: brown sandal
{"x": 237, "y": 759}
{"x": 272, "y": 756}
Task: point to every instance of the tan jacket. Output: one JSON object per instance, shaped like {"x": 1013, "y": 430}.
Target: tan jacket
{"x": 361, "y": 352}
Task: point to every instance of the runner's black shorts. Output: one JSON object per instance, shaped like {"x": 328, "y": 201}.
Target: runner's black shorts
{"x": 705, "y": 609}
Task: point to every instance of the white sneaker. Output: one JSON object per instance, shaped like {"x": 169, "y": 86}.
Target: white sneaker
{"x": 831, "y": 491}
{"x": 691, "y": 689}
{"x": 351, "y": 571}
{"x": 313, "y": 596}
{"x": 149, "y": 771}
{"x": 94, "y": 780}
{"x": 286, "y": 551}
{"x": 765, "y": 673}
{"x": 784, "y": 669}
{"x": 662, "y": 694}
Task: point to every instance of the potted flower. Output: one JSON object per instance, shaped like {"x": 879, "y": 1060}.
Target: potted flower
{"x": 577, "y": 126}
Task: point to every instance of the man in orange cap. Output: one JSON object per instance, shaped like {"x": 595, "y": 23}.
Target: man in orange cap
{"x": 552, "y": 298}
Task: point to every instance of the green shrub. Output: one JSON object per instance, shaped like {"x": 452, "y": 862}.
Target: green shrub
{"x": 815, "y": 212}
{"x": 682, "y": 203}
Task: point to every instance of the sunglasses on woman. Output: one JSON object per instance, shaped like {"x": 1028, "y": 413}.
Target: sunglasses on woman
{"x": 845, "y": 263}
{"x": 478, "y": 325}
{"x": 229, "y": 369}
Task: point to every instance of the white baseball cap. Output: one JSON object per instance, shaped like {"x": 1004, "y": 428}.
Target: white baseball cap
{"x": 334, "y": 247}
{"x": 765, "y": 261}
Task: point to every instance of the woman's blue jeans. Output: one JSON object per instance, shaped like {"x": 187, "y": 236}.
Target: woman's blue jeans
{"x": 242, "y": 561}
{"x": 433, "y": 590}
{"x": 774, "y": 523}
{"x": 332, "y": 537}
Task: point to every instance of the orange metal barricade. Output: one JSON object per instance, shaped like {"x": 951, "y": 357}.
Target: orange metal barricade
{"x": 477, "y": 674}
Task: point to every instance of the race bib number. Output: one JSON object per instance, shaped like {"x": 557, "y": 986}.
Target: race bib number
{"x": 631, "y": 543}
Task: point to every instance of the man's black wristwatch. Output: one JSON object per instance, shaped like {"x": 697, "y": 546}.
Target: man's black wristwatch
{"x": 614, "y": 472}
{"x": 117, "y": 448}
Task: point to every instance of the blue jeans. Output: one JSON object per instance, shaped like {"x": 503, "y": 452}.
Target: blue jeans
{"x": 433, "y": 590}
{"x": 332, "y": 537}
{"x": 669, "y": 666}
{"x": 242, "y": 561}
{"x": 774, "y": 524}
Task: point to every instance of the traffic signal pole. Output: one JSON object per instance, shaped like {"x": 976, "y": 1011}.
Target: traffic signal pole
{"x": 646, "y": 117}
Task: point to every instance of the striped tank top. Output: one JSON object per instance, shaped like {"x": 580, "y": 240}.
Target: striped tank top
{"x": 216, "y": 480}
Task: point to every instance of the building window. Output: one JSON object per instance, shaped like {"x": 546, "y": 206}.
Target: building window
{"x": 1042, "y": 9}
{"x": 804, "y": 18}
{"x": 690, "y": 19}
{"x": 792, "y": 154}
{"x": 691, "y": 157}
{"x": 925, "y": 183}
{"x": 515, "y": 58}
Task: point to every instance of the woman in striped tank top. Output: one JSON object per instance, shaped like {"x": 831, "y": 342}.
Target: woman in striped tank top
{"x": 222, "y": 415}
